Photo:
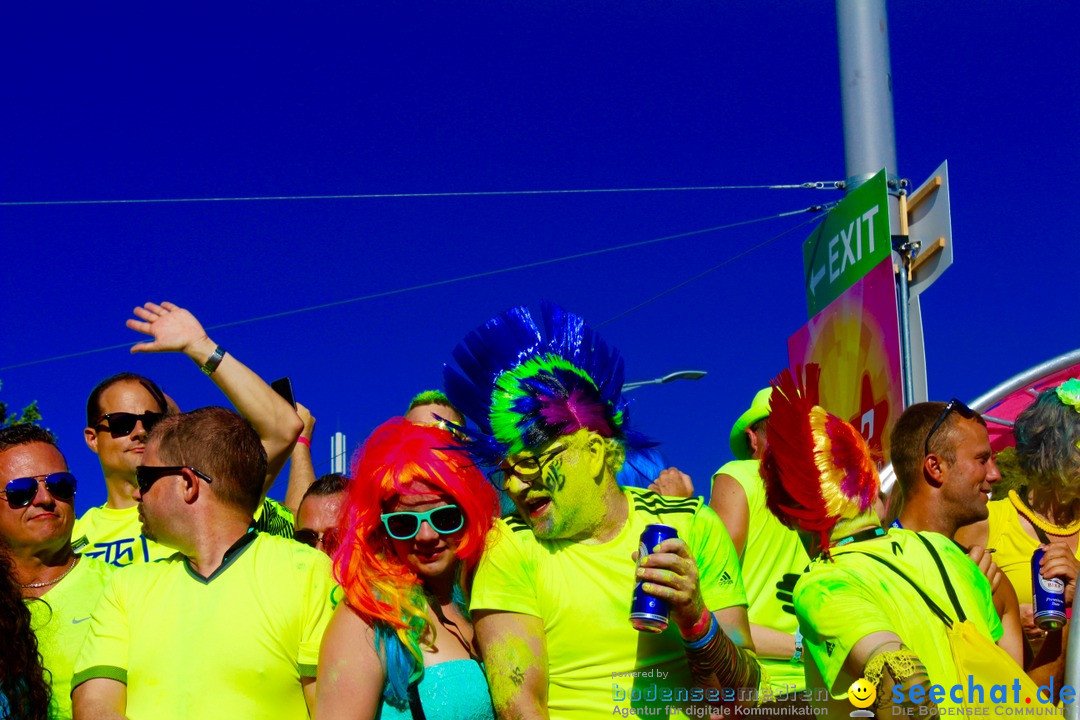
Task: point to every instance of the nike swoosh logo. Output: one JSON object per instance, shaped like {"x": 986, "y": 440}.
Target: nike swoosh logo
{"x": 76, "y": 621}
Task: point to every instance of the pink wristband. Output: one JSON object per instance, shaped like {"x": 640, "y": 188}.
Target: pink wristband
{"x": 700, "y": 627}
{"x": 304, "y": 441}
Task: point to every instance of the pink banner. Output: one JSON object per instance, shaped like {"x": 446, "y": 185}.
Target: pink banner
{"x": 856, "y": 341}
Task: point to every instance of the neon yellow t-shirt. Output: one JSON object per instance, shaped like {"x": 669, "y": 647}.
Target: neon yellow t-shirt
{"x": 582, "y": 594}
{"x": 232, "y": 646}
{"x": 838, "y": 603}
{"x": 59, "y": 619}
{"x": 114, "y": 536}
{"x": 771, "y": 550}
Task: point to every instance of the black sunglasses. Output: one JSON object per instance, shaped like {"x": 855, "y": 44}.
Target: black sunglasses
{"x": 122, "y": 424}
{"x": 330, "y": 539}
{"x": 147, "y": 475}
{"x": 444, "y": 520}
{"x": 954, "y": 405}
{"x": 20, "y": 492}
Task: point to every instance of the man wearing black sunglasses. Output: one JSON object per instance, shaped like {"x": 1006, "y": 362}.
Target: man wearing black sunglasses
{"x": 319, "y": 513}
{"x": 37, "y": 495}
{"x": 122, "y": 410}
{"x": 229, "y": 625}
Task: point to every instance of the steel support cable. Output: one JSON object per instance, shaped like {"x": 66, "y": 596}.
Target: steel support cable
{"x": 813, "y": 185}
{"x": 448, "y": 281}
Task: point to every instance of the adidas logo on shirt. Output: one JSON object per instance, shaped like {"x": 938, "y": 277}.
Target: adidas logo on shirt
{"x": 725, "y": 579}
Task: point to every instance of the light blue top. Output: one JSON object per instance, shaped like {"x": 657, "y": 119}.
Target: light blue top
{"x": 452, "y": 690}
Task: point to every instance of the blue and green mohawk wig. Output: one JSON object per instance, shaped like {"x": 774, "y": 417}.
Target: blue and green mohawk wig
{"x": 524, "y": 388}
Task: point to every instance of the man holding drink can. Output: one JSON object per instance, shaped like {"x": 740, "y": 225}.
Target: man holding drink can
{"x": 551, "y": 601}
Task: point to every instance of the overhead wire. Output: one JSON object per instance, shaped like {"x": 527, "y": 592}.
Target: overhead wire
{"x": 811, "y": 185}
{"x": 714, "y": 268}
{"x": 462, "y": 278}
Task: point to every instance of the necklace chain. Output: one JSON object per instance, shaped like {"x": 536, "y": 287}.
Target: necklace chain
{"x": 55, "y": 580}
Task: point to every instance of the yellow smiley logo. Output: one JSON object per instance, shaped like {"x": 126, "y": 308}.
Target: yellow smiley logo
{"x": 861, "y": 694}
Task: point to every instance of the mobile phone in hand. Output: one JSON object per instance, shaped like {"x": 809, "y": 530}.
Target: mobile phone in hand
{"x": 283, "y": 387}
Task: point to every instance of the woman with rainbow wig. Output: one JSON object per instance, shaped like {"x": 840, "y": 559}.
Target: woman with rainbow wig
{"x": 415, "y": 521}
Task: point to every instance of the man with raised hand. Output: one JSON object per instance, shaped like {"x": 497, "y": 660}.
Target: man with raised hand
{"x": 552, "y": 595}
{"x": 230, "y": 625}
{"x": 36, "y": 516}
{"x": 123, "y": 409}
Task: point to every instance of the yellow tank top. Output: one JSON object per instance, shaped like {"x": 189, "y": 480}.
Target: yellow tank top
{"x": 1014, "y": 547}
{"x": 771, "y": 550}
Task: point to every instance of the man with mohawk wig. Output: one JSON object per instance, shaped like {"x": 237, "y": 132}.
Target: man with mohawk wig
{"x": 551, "y": 598}
{"x": 908, "y": 612}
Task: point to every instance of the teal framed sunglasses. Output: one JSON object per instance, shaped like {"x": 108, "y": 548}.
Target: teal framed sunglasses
{"x": 403, "y": 525}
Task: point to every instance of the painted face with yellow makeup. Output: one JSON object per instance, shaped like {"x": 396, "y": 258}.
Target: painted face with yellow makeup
{"x": 557, "y": 487}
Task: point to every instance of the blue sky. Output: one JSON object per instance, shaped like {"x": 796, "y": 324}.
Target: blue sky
{"x": 242, "y": 100}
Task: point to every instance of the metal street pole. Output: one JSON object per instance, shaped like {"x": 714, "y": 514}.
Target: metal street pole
{"x": 869, "y": 131}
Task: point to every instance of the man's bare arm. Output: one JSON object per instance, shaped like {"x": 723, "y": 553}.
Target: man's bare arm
{"x": 728, "y": 499}
{"x": 872, "y": 658}
{"x": 99, "y": 699}
{"x": 515, "y": 659}
{"x": 301, "y": 468}
{"x": 174, "y": 329}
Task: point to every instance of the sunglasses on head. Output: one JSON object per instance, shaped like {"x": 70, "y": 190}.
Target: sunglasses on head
{"x": 147, "y": 475}
{"x": 330, "y": 539}
{"x": 405, "y": 525}
{"x": 20, "y": 492}
{"x": 954, "y": 405}
{"x": 122, "y": 424}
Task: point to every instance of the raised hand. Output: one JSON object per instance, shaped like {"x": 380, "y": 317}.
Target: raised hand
{"x": 172, "y": 328}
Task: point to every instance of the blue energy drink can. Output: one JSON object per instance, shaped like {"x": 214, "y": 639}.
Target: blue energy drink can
{"x": 1048, "y": 596}
{"x": 647, "y": 613}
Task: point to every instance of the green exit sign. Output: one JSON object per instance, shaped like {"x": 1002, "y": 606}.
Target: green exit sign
{"x": 851, "y": 241}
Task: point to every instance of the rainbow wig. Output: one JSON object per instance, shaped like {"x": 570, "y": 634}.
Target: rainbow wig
{"x": 378, "y": 586}
{"x": 817, "y": 467}
{"x": 524, "y": 388}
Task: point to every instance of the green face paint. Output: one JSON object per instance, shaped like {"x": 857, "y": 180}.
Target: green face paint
{"x": 566, "y": 501}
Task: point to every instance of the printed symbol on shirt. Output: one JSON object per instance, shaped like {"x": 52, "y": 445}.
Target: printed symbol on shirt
{"x": 785, "y": 591}
{"x": 725, "y": 579}
{"x": 829, "y": 647}
{"x": 76, "y": 621}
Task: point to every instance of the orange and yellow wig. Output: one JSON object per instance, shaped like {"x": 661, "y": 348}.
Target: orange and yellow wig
{"x": 378, "y": 586}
